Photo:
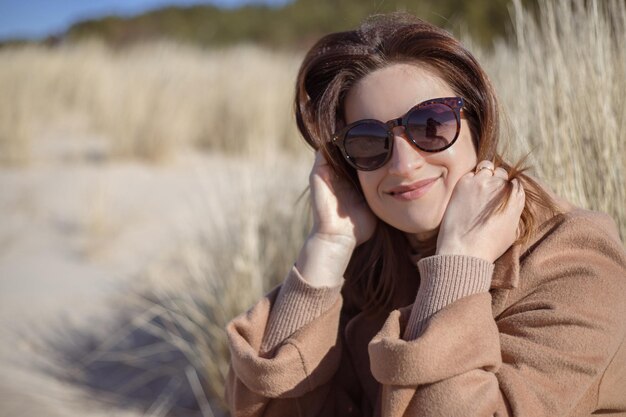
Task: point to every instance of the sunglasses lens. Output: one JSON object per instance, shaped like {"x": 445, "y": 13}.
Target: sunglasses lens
{"x": 367, "y": 145}
{"x": 433, "y": 126}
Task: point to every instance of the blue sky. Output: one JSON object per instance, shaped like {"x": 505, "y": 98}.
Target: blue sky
{"x": 39, "y": 18}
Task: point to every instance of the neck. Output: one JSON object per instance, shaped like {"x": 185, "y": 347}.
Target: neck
{"x": 423, "y": 243}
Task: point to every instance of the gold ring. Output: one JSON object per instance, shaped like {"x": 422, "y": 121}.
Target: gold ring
{"x": 490, "y": 169}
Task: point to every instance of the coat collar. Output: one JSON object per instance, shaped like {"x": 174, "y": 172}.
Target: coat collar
{"x": 506, "y": 269}
{"x": 506, "y": 273}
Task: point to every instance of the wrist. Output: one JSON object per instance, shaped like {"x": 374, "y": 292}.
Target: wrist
{"x": 456, "y": 248}
{"x": 335, "y": 242}
{"x": 450, "y": 247}
{"x": 324, "y": 258}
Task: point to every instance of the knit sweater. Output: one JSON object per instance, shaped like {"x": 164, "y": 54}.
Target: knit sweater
{"x": 538, "y": 333}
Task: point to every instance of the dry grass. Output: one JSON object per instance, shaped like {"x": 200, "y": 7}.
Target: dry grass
{"x": 148, "y": 101}
{"x": 163, "y": 350}
{"x": 562, "y": 84}
{"x": 563, "y": 88}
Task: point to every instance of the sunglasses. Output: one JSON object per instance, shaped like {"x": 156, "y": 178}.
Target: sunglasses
{"x": 432, "y": 126}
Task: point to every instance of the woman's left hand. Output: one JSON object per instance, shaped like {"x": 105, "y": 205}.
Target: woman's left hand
{"x": 463, "y": 229}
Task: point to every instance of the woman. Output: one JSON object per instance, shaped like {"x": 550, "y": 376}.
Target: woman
{"x": 437, "y": 278}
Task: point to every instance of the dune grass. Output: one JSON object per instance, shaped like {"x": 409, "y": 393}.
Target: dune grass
{"x": 562, "y": 85}
{"x": 148, "y": 101}
{"x": 561, "y": 81}
{"x": 162, "y": 350}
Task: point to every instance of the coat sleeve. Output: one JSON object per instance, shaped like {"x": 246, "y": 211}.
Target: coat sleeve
{"x": 295, "y": 377}
{"x": 540, "y": 357}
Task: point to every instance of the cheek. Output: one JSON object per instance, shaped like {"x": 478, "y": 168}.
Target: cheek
{"x": 369, "y": 184}
{"x": 467, "y": 148}
{"x": 460, "y": 158}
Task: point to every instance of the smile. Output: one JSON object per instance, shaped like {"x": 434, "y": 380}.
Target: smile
{"x": 412, "y": 191}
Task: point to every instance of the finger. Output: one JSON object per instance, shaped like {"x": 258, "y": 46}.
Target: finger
{"x": 484, "y": 171}
{"x": 521, "y": 190}
{"x": 518, "y": 191}
{"x": 484, "y": 168}
{"x": 484, "y": 164}
{"x": 501, "y": 173}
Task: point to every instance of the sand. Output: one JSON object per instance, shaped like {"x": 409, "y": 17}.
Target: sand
{"x": 75, "y": 229}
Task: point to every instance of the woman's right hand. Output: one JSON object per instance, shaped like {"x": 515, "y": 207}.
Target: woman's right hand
{"x": 340, "y": 213}
{"x": 342, "y": 220}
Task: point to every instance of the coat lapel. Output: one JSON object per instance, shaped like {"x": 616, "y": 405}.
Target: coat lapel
{"x": 506, "y": 275}
{"x": 358, "y": 333}
{"x": 362, "y": 328}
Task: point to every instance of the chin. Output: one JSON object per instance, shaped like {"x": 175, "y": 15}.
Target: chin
{"x": 420, "y": 224}
{"x": 416, "y": 228}
{"x": 420, "y": 231}
{"x": 413, "y": 221}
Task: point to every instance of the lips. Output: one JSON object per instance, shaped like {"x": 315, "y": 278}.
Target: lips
{"x": 413, "y": 190}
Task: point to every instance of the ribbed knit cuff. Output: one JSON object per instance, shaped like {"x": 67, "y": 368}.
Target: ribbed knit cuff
{"x": 445, "y": 279}
{"x": 297, "y": 304}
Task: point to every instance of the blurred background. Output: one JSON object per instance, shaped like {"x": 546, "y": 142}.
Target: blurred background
{"x": 151, "y": 172}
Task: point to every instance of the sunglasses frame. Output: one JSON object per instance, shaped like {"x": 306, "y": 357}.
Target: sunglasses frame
{"x": 454, "y": 103}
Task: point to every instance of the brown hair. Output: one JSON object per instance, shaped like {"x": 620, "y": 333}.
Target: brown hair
{"x": 335, "y": 64}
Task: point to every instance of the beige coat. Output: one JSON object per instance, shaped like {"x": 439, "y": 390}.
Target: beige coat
{"x": 547, "y": 339}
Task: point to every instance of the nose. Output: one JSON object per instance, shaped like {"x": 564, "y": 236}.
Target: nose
{"x": 405, "y": 157}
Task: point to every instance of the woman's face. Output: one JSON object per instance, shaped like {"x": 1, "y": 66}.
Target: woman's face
{"x": 389, "y": 93}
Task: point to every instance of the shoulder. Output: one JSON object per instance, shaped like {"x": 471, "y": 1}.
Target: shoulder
{"x": 573, "y": 225}
{"x": 577, "y": 255}
{"x": 573, "y": 273}
{"x": 579, "y": 229}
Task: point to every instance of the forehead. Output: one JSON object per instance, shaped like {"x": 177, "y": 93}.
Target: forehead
{"x": 389, "y": 92}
